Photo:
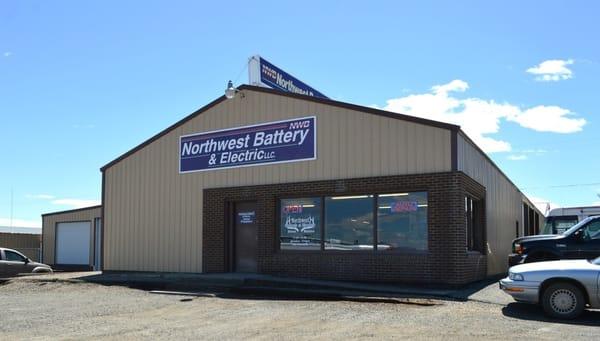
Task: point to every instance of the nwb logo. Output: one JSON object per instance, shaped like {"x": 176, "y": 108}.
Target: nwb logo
{"x": 300, "y": 125}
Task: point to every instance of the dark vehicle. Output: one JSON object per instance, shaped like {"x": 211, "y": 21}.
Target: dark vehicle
{"x": 13, "y": 262}
{"x": 582, "y": 241}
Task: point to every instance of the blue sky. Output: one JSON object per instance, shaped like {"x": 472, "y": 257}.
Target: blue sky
{"x": 81, "y": 82}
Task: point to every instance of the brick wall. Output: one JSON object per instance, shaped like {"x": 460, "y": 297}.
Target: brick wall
{"x": 445, "y": 262}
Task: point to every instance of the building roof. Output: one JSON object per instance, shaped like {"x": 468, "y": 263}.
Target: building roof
{"x": 71, "y": 211}
{"x": 20, "y": 230}
{"x": 331, "y": 102}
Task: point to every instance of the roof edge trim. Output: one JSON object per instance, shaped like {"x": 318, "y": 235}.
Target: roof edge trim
{"x": 468, "y": 140}
{"x": 331, "y": 102}
{"x": 71, "y": 211}
{"x": 351, "y": 106}
{"x": 163, "y": 132}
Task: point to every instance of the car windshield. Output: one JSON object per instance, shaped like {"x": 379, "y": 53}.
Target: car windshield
{"x": 558, "y": 224}
{"x": 577, "y": 226}
{"x": 596, "y": 261}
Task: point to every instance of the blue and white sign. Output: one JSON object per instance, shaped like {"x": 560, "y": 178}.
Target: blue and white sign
{"x": 268, "y": 143}
{"x": 263, "y": 73}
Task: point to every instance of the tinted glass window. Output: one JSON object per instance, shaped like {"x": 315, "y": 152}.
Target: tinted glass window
{"x": 300, "y": 225}
{"x": 349, "y": 222}
{"x": 592, "y": 230}
{"x": 402, "y": 221}
{"x": 563, "y": 224}
{"x": 548, "y": 228}
{"x": 12, "y": 256}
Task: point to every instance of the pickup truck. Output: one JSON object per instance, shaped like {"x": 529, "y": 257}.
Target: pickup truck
{"x": 582, "y": 241}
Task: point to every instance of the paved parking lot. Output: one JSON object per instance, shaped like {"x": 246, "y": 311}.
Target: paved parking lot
{"x": 50, "y": 310}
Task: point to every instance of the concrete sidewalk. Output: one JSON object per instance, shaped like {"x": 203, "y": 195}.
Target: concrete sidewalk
{"x": 485, "y": 291}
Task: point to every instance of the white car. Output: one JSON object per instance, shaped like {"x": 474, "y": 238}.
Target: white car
{"x": 564, "y": 288}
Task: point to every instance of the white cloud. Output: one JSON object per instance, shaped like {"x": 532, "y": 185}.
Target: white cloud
{"x": 20, "y": 222}
{"x": 538, "y": 151}
{"x": 456, "y": 85}
{"x": 76, "y": 203}
{"x": 517, "y": 157}
{"x": 549, "y": 119}
{"x": 481, "y": 117}
{"x": 70, "y": 203}
{"x": 7, "y": 54}
{"x": 40, "y": 196}
{"x": 552, "y": 70}
{"x": 524, "y": 154}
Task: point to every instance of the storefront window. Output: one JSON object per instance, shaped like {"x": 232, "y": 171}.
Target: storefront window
{"x": 300, "y": 226}
{"x": 402, "y": 221}
{"x": 349, "y": 222}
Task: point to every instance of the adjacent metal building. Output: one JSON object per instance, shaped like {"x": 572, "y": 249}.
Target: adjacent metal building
{"x": 26, "y": 243}
{"x": 71, "y": 240}
{"x": 387, "y": 198}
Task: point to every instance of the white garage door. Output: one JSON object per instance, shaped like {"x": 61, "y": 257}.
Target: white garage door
{"x": 73, "y": 243}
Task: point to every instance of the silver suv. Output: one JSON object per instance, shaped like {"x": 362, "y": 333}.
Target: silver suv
{"x": 13, "y": 262}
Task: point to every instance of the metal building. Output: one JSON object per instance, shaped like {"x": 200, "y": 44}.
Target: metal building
{"x": 308, "y": 187}
{"x": 71, "y": 240}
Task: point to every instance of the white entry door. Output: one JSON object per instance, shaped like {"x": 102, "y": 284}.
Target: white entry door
{"x": 73, "y": 243}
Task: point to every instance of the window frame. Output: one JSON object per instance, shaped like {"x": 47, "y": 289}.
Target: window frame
{"x": 585, "y": 229}
{"x": 478, "y": 214}
{"x": 278, "y": 222}
{"x": 373, "y": 221}
{"x": 552, "y": 220}
{"x": 401, "y": 250}
{"x": 322, "y": 250}
{"x": 23, "y": 258}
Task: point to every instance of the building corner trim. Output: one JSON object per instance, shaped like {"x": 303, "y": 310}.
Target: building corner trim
{"x": 454, "y": 150}
{"x": 102, "y": 198}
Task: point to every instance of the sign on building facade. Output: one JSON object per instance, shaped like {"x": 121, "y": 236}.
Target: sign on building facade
{"x": 274, "y": 142}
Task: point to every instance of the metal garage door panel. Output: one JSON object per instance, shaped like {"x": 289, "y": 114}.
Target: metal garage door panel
{"x": 73, "y": 243}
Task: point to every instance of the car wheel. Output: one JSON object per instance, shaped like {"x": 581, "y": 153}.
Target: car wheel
{"x": 563, "y": 300}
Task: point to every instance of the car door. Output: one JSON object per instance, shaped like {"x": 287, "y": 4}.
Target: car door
{"x": 15, "y": 263}
{"x": 589, "y": 245}
{"x": 570, "y": 247}
{"x": 3, "y": 267}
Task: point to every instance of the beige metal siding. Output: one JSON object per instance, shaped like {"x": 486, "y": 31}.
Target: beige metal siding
{"x": 28, "y": 244}
{"x": 503, "y": 203}
{"x": 49, "y": 230}
{"x": 153, "y": 214}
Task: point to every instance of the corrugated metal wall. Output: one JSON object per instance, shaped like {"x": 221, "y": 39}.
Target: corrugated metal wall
{"x": 28, "y": 244}
{"x": 153, "y": 215}
{"x": 503, "y": 203}
{"x": 49, "y": 229}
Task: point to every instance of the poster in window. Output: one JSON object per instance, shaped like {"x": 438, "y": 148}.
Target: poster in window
{"x": 300, "y": 224}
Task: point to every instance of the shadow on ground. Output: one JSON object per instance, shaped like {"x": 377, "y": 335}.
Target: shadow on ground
{"x": 253, "y": 286}
{"x": 533, "y": 312}
{"x": 279, "y": 294}
{"x": 469, "y": 290}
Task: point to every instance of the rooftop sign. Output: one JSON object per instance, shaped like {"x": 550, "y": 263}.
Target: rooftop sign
{"x": 263, "y": 73}
{"x": 274, "y": 142}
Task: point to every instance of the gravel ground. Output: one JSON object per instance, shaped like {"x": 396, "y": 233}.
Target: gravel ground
{"x": 31, "y": 309}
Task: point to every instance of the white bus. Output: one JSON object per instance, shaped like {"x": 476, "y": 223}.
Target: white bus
{"x": 560, "y": 219}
